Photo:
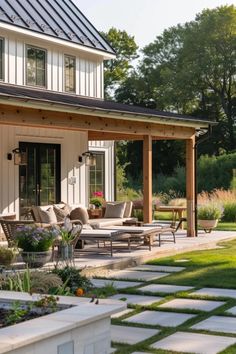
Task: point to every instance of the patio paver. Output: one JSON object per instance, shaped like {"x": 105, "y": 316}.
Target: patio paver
{"x": 194, "y": 343}
{"x": 158, "y": 268}
{"x": 191, "y": 304}
{"x": 137, "y": 275}
{"x": 218, "y": 324}
{"x": 232, "y": 311}
{"x": 100, "y": 283}
{"x": 164, "y": 288}
{"x": 131, "y": 335}
{"x": 215, "y": 292}
{"x": 165, "y": 319}
{"x": 137, "y": 299}
{"x": 122, "y": 313}
{"x": 140, "y": 353}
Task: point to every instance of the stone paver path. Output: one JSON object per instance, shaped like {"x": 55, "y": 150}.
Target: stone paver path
{"x": 215, "y": 292}
{"x": 140, "y": 353}
{"x": 157, "y": 268}
{"x": 194, "y": 343}
{"x": 165, "y": 319}
{"x": 164, "y": 288}
{"x": 137, "y": 299}
{"x": 218, "y": 324}
{"x": 131, "y": 335}
{"x": 100, "y": 283}
{"x": 191, "y": 304}
{"x": 137, "y": 275}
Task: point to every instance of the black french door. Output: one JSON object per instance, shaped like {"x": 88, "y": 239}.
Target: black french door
{"x": 40, "y": 179}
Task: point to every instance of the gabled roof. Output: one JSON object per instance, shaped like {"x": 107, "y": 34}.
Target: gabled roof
{"x": 92, "y": 106}
{"x": 57, "y": 18}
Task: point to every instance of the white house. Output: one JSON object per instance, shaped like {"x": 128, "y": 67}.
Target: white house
{"x": 51, "y": 46}
{"x": 52, "y": 108}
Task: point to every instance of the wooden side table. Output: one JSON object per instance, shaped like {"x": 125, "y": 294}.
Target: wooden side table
{"x": 95, "y": 213}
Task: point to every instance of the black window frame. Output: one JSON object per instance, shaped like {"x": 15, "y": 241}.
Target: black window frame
{"x": 29, "y": 46}
{"x": 97, "y": 153}
{"x": 74, "y": 76}
{"x": 2, "y": 51}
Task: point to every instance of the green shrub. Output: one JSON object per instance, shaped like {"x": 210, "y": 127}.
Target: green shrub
{"x": 209, "y": 212}
{"x": 73, "y": 278}
{"x": 7, "y": 256}
{"x": 229, "y": 212}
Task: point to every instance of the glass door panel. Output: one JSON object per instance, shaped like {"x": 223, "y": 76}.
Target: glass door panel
{"x": 40, "y": 178}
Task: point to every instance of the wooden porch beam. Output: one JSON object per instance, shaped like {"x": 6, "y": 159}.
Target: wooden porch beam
{"x": 190, "y": 186}
{"x": 147, "y": 179}
{"x": 22, "y": 116}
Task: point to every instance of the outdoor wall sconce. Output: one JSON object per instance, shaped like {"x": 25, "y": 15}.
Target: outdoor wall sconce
{"x": 88, "y": 157}
{"x": 20, "y": 157}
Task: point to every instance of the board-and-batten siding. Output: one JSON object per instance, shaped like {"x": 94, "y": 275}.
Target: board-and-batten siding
{"x": 72, "y": 144}
{"x": 89, "y": 70}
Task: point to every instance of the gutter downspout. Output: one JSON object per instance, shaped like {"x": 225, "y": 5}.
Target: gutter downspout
{"x": 200, "y": 140}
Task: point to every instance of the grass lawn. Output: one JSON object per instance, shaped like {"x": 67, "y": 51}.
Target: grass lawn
{"x": 209, "y": 268}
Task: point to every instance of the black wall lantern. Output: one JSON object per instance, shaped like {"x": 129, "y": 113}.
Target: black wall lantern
{"x": 20, "y": 157}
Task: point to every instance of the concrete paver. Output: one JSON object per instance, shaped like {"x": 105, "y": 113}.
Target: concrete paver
{"x": 165, "y": 319}
{"x": 100, "y": 283}
{"x": 137, "y": 275}
{"x": 192, "y": 304}
{"x": 164, "y": 288}
{"x": 137, "y": 299}
{"x": 215, "y": 292}
{"x": 131, "y": 335}
{"x": 221, "y": 324}
{"x": 194, "y": 343}
{"x": 158, "y": 268}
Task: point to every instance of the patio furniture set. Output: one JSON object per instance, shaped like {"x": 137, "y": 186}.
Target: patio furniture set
{"x": 117, "y": 226}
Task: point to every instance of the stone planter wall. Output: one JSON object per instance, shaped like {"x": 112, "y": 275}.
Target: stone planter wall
{"x": 82, "y": 329}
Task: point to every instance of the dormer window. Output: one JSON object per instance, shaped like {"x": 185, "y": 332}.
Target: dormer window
{"x": 69, "y": 70}
{"x": 35, "y": 66}
{"x": 1, "y": 59}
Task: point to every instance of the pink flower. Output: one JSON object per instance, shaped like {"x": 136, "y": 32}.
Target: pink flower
{"x": 98, "y": 194}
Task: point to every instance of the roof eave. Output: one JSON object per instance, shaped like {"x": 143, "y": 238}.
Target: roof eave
{"x": 106, "y": 55}
{"x": 105, "y": 113}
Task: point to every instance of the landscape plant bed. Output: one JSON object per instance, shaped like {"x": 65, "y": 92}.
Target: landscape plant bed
{"x": 17, "y": 311}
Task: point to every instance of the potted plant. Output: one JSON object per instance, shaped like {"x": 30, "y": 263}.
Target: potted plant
{"x": 36, "y": 243}
{"x": 67, "y": 235}
{"x": 209, "y": 215}
{"x": 97, "y": 199}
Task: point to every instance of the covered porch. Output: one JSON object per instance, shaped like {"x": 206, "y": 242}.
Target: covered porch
{"x": 98, "y": 120}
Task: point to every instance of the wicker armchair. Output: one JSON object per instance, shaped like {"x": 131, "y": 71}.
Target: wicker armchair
{"x": 9, "y": 228}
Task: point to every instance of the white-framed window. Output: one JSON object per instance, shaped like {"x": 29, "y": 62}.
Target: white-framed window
{"x": 35, "y": 66}
{"x": 97, "y": 175}
{"x": 1, "y": 59}
{"x": 69, "y": 73}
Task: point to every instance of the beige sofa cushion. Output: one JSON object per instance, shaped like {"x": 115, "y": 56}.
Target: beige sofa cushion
{"x": 115, "y": 210}
{"x": 61, "y": 213}
{"x": 80, "y": 214}
{"x": 128, "y": 209}
{"x": 48, "y": 216}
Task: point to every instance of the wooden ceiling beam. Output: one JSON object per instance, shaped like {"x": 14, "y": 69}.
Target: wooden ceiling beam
{"x": 30, "y": 117}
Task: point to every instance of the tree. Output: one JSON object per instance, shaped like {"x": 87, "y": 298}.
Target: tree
{"x": 116, "y": 70}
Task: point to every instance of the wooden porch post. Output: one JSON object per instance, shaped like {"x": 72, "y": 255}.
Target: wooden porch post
{"x": 147, "y": 179}
{"x": 190, "y": 186}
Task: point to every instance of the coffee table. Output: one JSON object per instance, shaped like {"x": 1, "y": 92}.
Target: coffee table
{"x": 104, "y": 235}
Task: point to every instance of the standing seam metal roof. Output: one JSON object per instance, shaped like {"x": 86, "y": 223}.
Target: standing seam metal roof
{"x": 57, "y": 18}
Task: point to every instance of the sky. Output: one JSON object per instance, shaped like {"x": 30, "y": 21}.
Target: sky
{"x": 144, "y": 19}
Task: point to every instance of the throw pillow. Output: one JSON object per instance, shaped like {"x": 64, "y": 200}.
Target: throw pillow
{"x": 80, "y": 214}
{"x": 128, "y": 209}
{"x": 48, "y": 216}
{"x": 115, "y": 210}
{"x": 61, "y": 213}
